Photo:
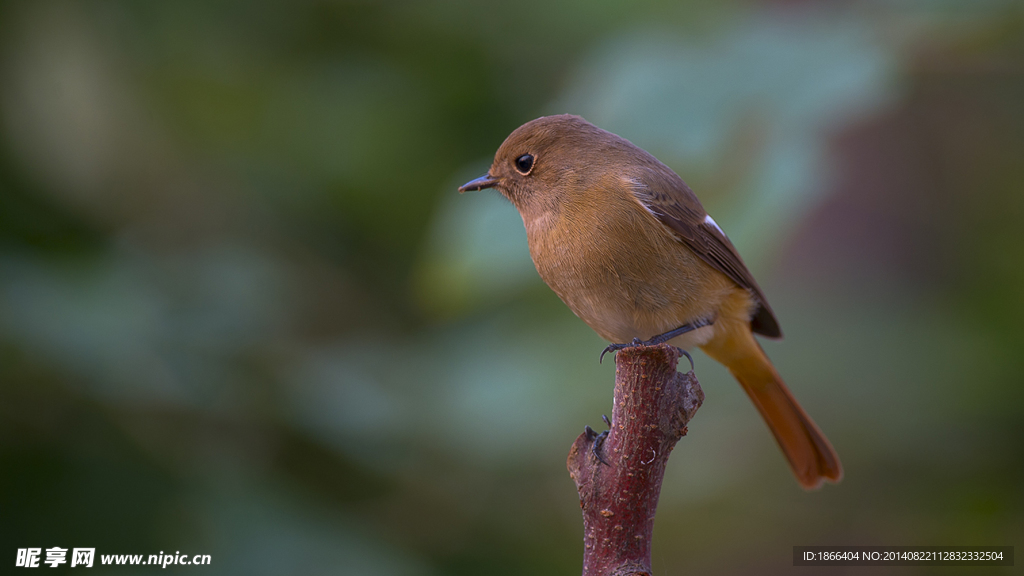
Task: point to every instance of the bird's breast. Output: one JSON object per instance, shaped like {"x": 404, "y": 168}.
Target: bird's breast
{"x": 620, "y": 270}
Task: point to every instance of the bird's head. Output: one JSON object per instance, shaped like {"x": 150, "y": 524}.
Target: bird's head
{"x": 546, "y": 159}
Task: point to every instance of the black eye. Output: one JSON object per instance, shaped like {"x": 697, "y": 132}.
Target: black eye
{"x": 524, "y": 164}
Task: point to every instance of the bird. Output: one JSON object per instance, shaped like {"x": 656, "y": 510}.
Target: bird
{"x": 626, "y": 244}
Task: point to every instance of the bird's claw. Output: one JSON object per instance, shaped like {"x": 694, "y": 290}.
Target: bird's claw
{"x": 688, "y": 357}
{"x": 616, "y": 347}
{"x": 610, "y": 348}
{"x": 597, "y": 440}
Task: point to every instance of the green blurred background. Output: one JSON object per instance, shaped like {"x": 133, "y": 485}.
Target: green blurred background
{"x": 243, "y": 311}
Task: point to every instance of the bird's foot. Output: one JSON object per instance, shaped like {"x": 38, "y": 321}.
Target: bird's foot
{"x": 660, "y": 338}
{"x": 598, "y": 439}
{"x": 616, "y": 347}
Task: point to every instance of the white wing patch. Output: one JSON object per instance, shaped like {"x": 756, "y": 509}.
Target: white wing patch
{"x": 641, "y": 194}
{"x": 711, "y": 222}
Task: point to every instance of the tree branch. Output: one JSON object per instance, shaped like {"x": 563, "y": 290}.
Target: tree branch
{"x": 652, "y": 405}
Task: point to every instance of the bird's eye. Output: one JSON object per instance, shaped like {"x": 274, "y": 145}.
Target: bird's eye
{"x": 524, "y": 164}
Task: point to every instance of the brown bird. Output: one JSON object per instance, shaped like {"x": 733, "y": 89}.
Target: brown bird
{"x": 627, "y": 246}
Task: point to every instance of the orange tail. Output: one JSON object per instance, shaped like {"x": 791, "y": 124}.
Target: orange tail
{"x": 810, "y": 455}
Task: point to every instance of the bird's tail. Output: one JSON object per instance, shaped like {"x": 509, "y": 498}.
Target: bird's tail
{"x": 810, "y": 455}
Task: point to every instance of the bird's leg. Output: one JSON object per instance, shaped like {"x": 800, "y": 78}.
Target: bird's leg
{"x": 660, "y": 338}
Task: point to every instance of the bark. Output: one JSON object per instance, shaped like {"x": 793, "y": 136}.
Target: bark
{"x": 652, "y": 406}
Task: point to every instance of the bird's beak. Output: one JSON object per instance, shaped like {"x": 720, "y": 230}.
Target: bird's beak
{"x": 485, "y": 181}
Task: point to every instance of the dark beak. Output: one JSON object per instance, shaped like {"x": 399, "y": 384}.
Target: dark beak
{"x": 485, "y": 181}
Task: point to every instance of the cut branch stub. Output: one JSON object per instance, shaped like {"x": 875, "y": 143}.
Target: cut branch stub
{"x": 653, "y": 404}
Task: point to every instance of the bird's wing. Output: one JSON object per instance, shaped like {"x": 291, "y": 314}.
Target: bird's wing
{"x": 668, "y": 198}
